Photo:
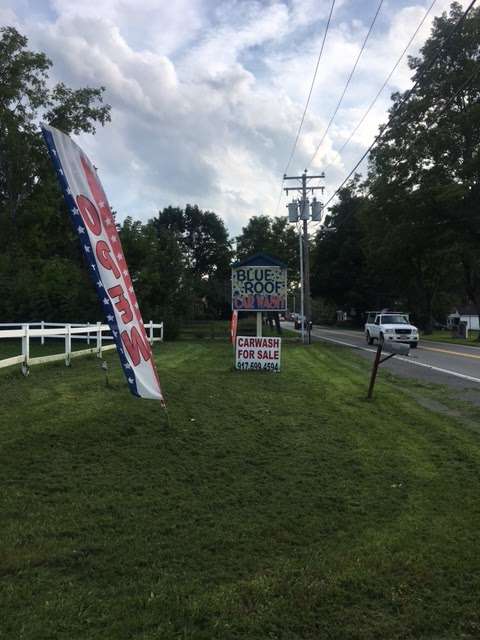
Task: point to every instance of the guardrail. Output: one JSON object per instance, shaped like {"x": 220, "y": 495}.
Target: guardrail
{"x": 68, "y": 331}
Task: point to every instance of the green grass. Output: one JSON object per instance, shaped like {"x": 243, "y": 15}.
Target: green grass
{"x": 446, "y": 336}
{"x": 274, "y": 506}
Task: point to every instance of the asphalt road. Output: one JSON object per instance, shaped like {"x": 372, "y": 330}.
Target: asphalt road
{"x": 457, "y": 366}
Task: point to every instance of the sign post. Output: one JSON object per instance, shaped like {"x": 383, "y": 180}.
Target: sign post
{"x": 259, "y": 323}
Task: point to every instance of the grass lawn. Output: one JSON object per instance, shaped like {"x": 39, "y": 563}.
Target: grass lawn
{"x": 446, "y": 336}
{"x": 273, "y": 506}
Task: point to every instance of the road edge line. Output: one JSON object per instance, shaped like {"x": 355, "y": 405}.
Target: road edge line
{"x": 402, "y": 359}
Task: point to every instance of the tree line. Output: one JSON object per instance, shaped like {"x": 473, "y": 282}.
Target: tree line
{"x": 406, "y": 235}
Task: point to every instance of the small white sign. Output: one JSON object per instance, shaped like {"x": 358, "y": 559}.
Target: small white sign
{"x": 261, "y": 354}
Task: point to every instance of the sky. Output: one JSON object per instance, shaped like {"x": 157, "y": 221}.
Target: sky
{"x": 207, "y": 95}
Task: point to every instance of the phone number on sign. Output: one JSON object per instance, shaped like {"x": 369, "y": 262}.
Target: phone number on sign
{"x": 265, "y": 366}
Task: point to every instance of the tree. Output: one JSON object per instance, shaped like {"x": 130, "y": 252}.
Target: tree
{"x": 424, "y": 178}
{"x": 158, "y": 272}
{"x": 36, "y": 232}
{"x": 338, "y": 273}
{"x": 206, "y": 251}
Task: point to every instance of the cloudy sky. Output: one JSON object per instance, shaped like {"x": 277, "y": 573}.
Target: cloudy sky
{"x": 207, "y": 95}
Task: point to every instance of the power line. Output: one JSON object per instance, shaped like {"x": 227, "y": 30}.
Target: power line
{"x": 361, "y": 121}
{"x": 348, "y": 81}
{"x": 311, "y": 87}
{"x": 467, "y": 82}
{"x": 406, "y": 97}
{"x": 292, "y": 152}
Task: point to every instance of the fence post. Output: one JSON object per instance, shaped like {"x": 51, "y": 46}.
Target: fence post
{"x": 150, "y": 332}
{"x": 68, "y": 344}
{"x": 88, "y": 333}
{"x": 376, "y": 364}
{"x": 26, "y": 345}
{"x": 99, "y": 339}
{"x": 42, "y": 327}
{"x": 161, "y": 332}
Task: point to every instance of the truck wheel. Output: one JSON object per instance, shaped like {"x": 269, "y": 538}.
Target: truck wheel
{"x": 369, "y": 338}
{"x": 413, "y": 345}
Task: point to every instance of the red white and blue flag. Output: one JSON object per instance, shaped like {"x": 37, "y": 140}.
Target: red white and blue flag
{"x": 95, "y": 225}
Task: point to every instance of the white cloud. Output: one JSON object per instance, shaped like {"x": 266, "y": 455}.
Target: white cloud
{"x": 207, "y": 95}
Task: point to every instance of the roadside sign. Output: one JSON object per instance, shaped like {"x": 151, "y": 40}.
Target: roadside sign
{"x": 257, "y": 353}
{"x": 259, "y": 288}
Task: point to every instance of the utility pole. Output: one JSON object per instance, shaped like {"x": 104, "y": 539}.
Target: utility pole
{"x": 304, "y": 206}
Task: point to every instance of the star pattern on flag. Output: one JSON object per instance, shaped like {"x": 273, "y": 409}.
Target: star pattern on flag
{"x": 106, "y": 301}
{"x": 81, "y": 229}
{"x": 100, "y": 286}
{"x": 87, "y": 248}
{"x": 110, "y": 318}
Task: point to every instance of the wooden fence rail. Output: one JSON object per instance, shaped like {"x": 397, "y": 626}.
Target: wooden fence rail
{"x": 71, "y": 331}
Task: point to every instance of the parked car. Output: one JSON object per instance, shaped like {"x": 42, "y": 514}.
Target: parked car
{"x": 297, "y": 323}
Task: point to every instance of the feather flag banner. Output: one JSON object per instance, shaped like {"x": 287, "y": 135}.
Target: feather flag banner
{"x": 97, "y": 232}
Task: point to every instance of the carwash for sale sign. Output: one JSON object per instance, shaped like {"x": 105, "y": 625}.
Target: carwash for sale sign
{"x": 95, "y": 225}
{"x": 257, "y": 353}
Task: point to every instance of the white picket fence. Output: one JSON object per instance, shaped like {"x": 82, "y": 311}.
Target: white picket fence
{"x": 91, "y": 333}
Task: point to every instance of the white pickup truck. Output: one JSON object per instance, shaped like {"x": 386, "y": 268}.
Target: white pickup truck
{"x": 391, "y": 326}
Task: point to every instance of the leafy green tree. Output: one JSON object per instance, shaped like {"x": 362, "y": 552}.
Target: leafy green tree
{"x": 158, "y": 272}
{"x": 35, "y": 229}
{"x": 338, "y": 273}
{"x": 424, "y": 178}
{"x": 206, "y": 252}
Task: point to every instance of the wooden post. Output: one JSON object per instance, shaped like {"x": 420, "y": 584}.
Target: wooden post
{"x": 68, "y": 344}
{"x": 99, "y": 339}
{"x": 375, "y": 369}
{"x": 88, "y": 334}
{"x": 259, "y": 324}
{"x": 26, "y": 345}
{"x": 161, "y": 332}
{"x": 42, "y": 327}
{"x": 150, "y": 332}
